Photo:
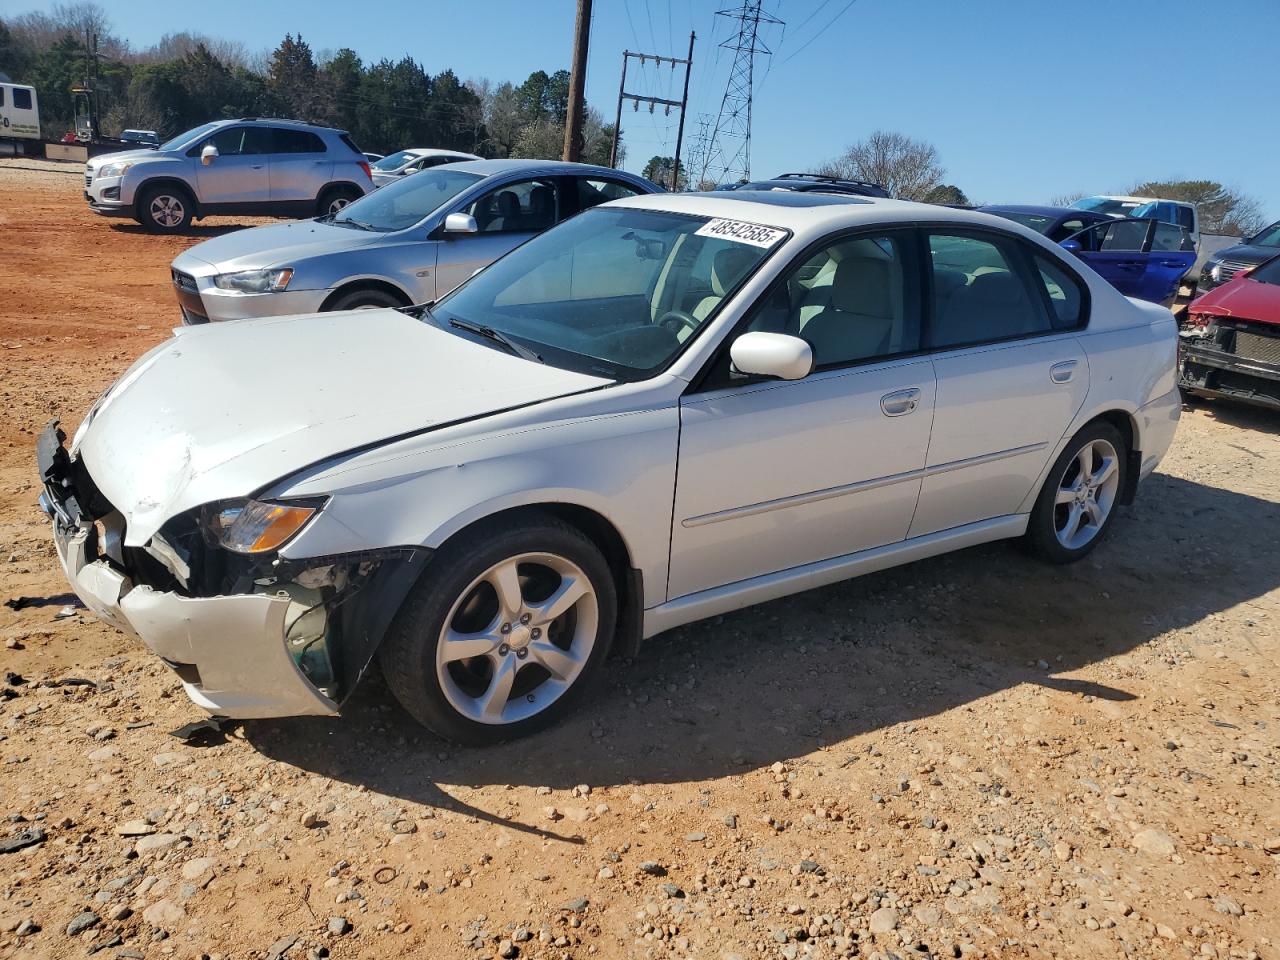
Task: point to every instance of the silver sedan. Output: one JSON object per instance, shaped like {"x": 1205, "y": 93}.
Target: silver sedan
{"x": 410, "y": 242}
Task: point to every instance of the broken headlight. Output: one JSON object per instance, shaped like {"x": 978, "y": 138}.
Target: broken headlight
{"x": 254, "y": 281}
{"x": 254, "y": 526}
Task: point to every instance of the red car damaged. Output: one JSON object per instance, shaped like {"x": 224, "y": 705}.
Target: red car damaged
{"x": 1230, "y": 346}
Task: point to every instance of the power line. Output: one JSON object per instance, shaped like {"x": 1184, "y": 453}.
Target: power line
{"x": 843, "y": 11}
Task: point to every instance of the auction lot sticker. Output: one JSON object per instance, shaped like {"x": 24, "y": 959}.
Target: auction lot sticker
{"x": 752, "y": 233}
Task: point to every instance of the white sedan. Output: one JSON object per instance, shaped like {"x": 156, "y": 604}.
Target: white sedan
{"x": 666, "y": 408}
{"x": 391, "y": 168}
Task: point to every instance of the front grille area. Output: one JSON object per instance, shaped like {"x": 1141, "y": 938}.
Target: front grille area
{"x": 1253, "y": 346}
{"x": 184, "y": 280}
{"x": 1229, "y": 268}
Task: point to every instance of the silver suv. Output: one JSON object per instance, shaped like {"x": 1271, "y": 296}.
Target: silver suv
{"x": 409, "y": 242}
{"x": 247, "y": 166}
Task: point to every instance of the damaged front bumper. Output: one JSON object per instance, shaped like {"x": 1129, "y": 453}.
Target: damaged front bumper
{"x": 294, "y": 641}
{"x": 1222, "y": 363}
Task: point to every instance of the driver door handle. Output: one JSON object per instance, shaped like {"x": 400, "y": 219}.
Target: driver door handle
{"x": 900, "y": 402}
{"x": 1062, "y": 372}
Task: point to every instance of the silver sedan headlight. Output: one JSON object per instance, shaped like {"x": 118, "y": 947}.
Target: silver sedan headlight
{"x": 254, "y": 281}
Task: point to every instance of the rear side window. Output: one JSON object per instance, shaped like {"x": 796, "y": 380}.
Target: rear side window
{"x": 1066, "y": 298}
{"x": 1171, "y": 238}
{"x": 1, "y": 96}
{"x": 346, "y": 138}
{"x": 22, "y": 99}
{"x": 979, "y": 292}
{"x": 296, "y": 141}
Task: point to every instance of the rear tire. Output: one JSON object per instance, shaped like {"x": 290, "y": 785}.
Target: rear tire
{"x": 1080, "y": 495}
{"x": 508, "y": 627}
{"x": 334, "y": 199}
{"x": 165, "y": 209}
{"x": 368, "y": 298}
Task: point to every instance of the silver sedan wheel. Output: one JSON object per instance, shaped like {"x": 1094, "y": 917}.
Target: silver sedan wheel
{"x": 517, "y": 638}
{"x": 167, "y": 210}
{"x": 1087, "y": 493}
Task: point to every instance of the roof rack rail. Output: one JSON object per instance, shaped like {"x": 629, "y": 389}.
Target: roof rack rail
{"x": 825, "y": 177}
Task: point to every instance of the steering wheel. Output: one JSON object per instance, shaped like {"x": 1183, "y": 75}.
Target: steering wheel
{"x": 676, "y": 320}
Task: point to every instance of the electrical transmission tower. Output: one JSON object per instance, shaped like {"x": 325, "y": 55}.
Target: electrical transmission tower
{"x": 729, "y": 155}
{"x": 700, "y": 144}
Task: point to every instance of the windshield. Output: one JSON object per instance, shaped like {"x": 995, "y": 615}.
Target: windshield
{"x": 1035, "y": 221}
{"x": 183, "y": 140}
{"x": 407, "y": 201}
{"x": 395, "y": 161}
{"x": 1269, "y": 237}
{"x": 1104, "y": 205}
{"x": 1269, "y": 272}
{"x": 614, "y": 291}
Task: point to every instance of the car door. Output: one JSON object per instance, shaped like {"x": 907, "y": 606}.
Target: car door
{"x": 776, "y": 474}
{"x": 240, "y": 176}
{"x": 301, "y": 166}
{"x": 506, "y": 216}
{"x": 1171, "y": 254}
{"x": 1117, "y": 250}
{"x": 1011, "y": 374}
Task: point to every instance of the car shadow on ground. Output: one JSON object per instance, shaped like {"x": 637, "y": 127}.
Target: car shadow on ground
{"x": 1242, "y": 416}
{"x": 197, "y": 231}
{"x": 767, "y": 683}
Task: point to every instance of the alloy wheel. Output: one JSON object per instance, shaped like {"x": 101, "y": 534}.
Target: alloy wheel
{"x": 337, "y": 203}
{"x": 167, "y": 210}
{"x": 1086, "y": 494}
{"x": 517, "y": 638}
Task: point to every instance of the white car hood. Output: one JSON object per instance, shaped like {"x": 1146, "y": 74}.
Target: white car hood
{"x": 224, "y": 410}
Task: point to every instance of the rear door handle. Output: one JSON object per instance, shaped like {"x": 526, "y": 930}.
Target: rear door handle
{"x": 900, "y": 402}
{"x": 1063, "y": 372}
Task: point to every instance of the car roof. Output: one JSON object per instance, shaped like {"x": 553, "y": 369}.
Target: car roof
{"x": 808, "y": 212}
{"x": 1038, "y": 210}
{"x": 280, "y": 121}
{"x": 436, "y": 152}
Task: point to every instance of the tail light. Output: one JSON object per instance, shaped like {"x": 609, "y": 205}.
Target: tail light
{"x": 365, "y": 167}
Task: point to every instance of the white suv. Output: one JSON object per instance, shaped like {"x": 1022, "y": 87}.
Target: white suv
{"x": 665, "y": 408}
{"x": 248, "y": 166}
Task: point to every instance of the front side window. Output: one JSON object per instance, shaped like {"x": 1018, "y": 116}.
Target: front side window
{"x": 22, "y": 99}
{"x": 526, "y": 207}
{"x": 592, "y": 193}
{"x": 402, "y": 204}
{"x": 237, "y": 141}
{"x": 297, "y": 141}
{"x": 1123, "y": 235}
{"x": 852, "y": 301}
{"x": 614, "y": 291}
{"x": 979, "y": 295}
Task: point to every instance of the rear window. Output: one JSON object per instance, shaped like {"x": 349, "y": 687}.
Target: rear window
{"x": 22, "y": 99}
{"x": 297, "y": 141}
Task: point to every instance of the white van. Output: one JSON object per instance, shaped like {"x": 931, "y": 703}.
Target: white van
{"x": 19, "y": 112}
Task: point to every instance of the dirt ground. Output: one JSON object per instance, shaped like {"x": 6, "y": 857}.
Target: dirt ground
{"x": 971, "y": 756}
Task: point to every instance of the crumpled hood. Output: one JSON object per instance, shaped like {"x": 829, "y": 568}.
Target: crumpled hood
{"x": 279, "y": 244}
{"x": 224, "y": 410}
{"x": 1243, "y": 299}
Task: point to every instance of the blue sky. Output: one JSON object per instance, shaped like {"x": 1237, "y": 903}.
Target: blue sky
{"x": 1024, "y": 99}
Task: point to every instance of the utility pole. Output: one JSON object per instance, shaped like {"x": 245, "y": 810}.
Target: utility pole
{"x": 733, "y": 123}
{"x": 577, "y": 83}
{"x": 637, "y": 99}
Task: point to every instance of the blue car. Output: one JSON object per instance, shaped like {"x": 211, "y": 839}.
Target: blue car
{"x": 1056, "y": 223}
{"x": 1143, "y": 258}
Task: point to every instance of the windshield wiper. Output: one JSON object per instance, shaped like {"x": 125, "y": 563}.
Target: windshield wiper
{"x": 358, "y": 224}
{"x": 491, "y": 334}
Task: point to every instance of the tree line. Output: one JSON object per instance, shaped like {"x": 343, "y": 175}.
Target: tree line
{"x": 187, "y": 79}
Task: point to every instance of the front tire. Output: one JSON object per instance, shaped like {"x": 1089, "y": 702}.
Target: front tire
{"x": 165, "y": 209}
{"x": 1080, "y": 495}
{"x": 508, "y": 627}
{"x": 369, "y": 298}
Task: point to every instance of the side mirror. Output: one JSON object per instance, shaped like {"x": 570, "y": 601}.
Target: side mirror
{"x": 1071, "y": 246}
{"x": 208, "y": 154}
{"x": 461, "y": 223}
{"x": 772, "y": 355}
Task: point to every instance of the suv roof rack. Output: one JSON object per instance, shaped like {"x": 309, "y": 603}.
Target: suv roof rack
{"x": 825, "y": 178}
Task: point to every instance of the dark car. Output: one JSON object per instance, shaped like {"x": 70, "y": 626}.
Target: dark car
{"x": 1230, "y": 346}
{"x": 1226, "y": 263}
{"x": 813, "y": 182}
{"x": 1056, "y": 223}
{"x": 1142, "y": 258}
